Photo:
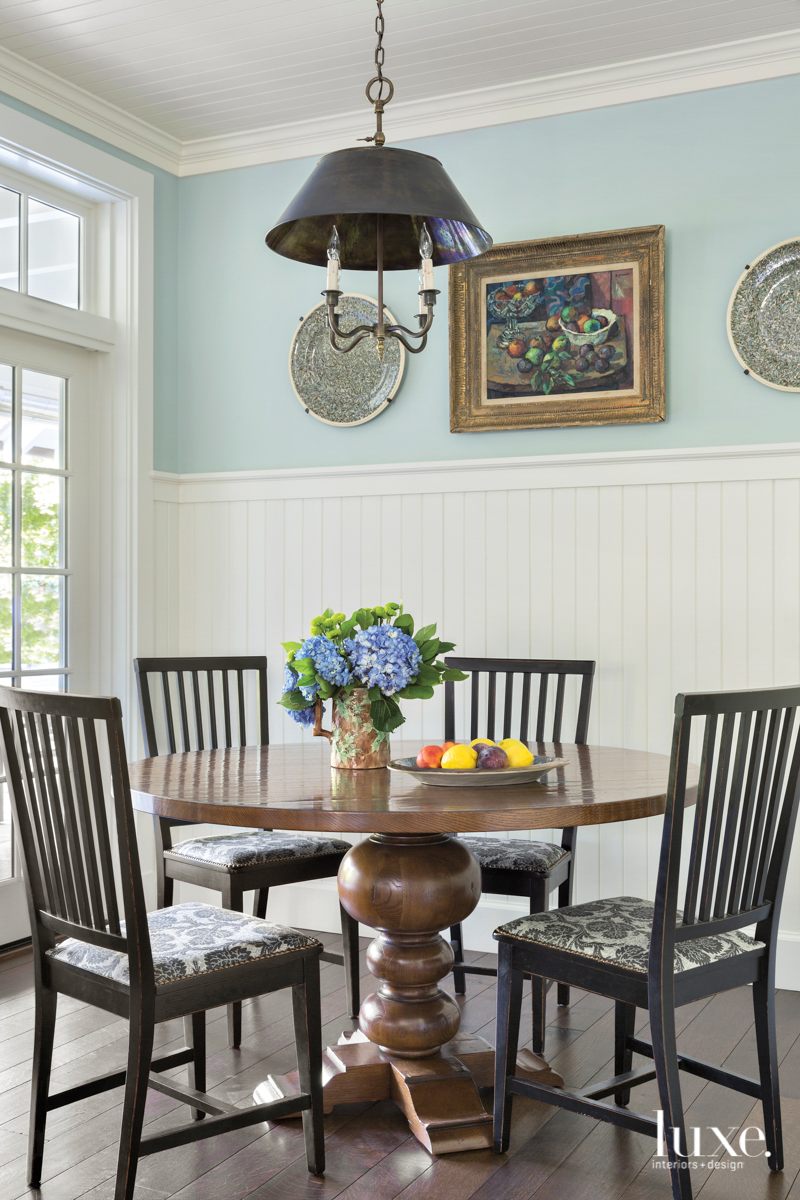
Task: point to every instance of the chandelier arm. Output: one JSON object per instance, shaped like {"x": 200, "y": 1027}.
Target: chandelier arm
{"x": 351, "y": 345}
{"x": 411, "y": 349}
{"x": 423, "y": 330}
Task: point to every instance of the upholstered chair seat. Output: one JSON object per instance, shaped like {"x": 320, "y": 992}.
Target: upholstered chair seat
{"x": 618, "y": 931}
{"x": 236, "y": 851}
{"x": 190, "y": 939}
{"x": 515, "y": 854}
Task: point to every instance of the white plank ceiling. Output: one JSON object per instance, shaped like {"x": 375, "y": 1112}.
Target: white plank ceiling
{"x": 203, "y": 68}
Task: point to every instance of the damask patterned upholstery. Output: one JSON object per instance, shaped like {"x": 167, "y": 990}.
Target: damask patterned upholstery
{"x": 190, "y": 939}
{"x": 239, "y": 850}
{"x": 619, "y": 931}
{"x": 515, "y": 854}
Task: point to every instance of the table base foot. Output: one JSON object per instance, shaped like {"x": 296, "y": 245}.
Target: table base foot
{"x": 438, "y": 1095}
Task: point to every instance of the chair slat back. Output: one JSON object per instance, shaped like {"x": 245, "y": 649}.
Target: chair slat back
{"x": 745, "y": 813}
{"x": 61, "y": 804}
{"x": 527, "y": 669}
{"x": 209, "y": 709}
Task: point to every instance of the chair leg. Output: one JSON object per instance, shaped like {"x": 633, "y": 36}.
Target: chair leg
{"x": 569, "y": 838}
{"x": 308, "y": 1037}
{"x": 194, "y": 1029}
{"x": 46, "y": 1001}
{"x": 624, "y": 1022}
{"x": 350, "y": 949}
{"x": 538, "y": 904}
{"x": 165, "y": 887}
{"x": 509, "y": 1009}
{"x": 260, "y": 898}
{"x": 140, "y": 1050}
{"x": 764, "y": 1012}
{"x": 665, "y": 1058}
{"x": 233, "y": 899}
{"x": 457, "y": 936}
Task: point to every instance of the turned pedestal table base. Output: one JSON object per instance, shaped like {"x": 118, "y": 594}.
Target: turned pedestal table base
{"x": 408, "y": 887}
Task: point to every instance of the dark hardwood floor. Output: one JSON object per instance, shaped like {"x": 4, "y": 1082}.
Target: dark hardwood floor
{"x": 554, "y": 1155}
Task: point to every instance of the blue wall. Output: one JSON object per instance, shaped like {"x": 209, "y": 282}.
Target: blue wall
{"x": 165, "y": 283}
{"x": 719, "y": 169}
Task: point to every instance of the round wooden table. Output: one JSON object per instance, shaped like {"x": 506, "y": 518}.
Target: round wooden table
{"x": 409, "y": 880}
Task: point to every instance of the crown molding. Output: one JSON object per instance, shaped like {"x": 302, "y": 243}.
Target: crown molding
{"x": 59, "y": 98}
{"x": 746, "y": 61}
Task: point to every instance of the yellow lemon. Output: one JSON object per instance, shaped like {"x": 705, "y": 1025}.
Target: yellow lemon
{"x": 459, "y": 758}
{"x": 517, "y": 753}
{"x": 482, "y": 742}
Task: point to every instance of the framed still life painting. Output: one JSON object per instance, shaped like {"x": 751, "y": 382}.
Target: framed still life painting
{"x": 563, "y": 331}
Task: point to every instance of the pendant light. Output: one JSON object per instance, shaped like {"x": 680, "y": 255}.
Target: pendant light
{"x": 379, "y": 208}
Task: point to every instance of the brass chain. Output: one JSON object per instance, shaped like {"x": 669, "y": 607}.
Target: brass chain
{"x": 379, "y": 51}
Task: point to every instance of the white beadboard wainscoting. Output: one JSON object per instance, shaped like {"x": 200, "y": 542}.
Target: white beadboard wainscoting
{"x": 676, "y": 571}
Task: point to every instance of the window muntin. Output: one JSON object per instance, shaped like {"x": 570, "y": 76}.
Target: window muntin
{"x": 40, "y": 248}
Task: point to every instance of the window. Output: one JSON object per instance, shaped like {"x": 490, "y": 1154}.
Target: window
{"x": 40, "y": 248}
{"x": 33, "y": 497}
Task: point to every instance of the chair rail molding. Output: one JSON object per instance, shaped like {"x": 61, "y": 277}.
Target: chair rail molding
{"x": 779, "y": 460}
{"x": 769, "y": 56}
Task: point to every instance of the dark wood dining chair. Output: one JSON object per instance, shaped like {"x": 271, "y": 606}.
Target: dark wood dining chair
{"x": 84, "y": 885}
{"x": 517, "y": 867}
{"x": 247, "y": 860}
{"x": 659, "y": 957}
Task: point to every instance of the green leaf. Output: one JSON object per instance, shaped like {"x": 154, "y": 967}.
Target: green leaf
{"x": 294, "y": 700}
{"x": 308, "y": 680}
{"x": 547, "y": 387}
{"x": 385, "y": 714}
{"x": 374, "y": 693}
{"x": 562, "y": 354}
{"x": 429, "y": 650}
{"x": 427, "y": 674}
{"x": 326, "y": 689}
{"x": 536, "y": 380}
{"x": 364, "y": 617}
{"x": 453, "y": 673}
{"x": 303, "y": 664}
{"x": 423, "y": 634}
{"x": 416, "y": 692}
{"x": 405, "y": 622}
{"x": 446, "y": 647}
{"x": 348, "y": 626}
{"x": 569, "y": 380}
{"x": 291, "y": 647}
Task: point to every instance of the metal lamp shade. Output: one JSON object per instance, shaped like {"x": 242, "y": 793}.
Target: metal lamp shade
{"x": 350, "y": 187}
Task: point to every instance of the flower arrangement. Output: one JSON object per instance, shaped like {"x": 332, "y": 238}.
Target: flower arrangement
{"x": 376, "y": 649}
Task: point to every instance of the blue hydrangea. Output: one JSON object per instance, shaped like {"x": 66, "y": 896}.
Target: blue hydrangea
{"x": 304, "y": 716}
{"x": 327, "y": 658}
{"x": 384, "y": 657}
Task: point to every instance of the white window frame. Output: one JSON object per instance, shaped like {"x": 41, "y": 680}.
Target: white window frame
{"x": 120, "y": 329}
{"x": 93, "y": 231}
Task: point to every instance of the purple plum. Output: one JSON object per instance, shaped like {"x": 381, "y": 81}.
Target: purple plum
{"x": 491, "y": 758}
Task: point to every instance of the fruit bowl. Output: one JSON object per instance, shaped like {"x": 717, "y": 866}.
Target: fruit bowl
{"x": 592, "y": 339}
{"x": 474, "y": 777}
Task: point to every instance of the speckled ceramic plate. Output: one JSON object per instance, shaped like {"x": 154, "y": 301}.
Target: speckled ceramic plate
{"x": 456, "y": 778}
{"x": 764, "y": 317}
{"x": 344, "y": 389}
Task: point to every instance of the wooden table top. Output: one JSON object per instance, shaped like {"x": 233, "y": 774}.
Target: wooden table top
{"x": 294, "y": 787}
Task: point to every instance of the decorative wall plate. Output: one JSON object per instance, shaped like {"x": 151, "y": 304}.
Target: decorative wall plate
{"x": 470, "y": 777}
{"x": 344, "y": 389}
{"x": 764, "y": 317}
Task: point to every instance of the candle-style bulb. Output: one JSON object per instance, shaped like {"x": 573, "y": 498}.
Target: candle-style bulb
{"x": 425, "y": 243}
{"x": 334, "y": 245}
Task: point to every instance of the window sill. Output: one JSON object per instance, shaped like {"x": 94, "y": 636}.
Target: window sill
{"x": 30, "y": 315}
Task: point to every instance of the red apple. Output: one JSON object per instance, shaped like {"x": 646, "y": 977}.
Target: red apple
{"x": 517, "y": 347}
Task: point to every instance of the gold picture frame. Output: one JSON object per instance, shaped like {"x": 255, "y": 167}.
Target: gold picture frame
{"x": 521, "y": 356}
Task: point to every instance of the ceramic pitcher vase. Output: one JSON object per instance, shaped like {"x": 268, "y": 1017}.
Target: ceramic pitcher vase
{"x": 355, "y": 742}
